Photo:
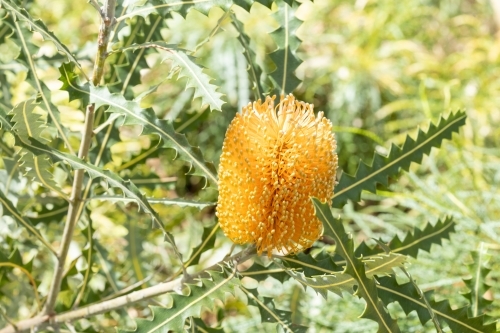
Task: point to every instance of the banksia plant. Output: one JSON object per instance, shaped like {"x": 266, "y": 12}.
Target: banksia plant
{"x": 274, "y": 159}
{"x": 78, "y": 195}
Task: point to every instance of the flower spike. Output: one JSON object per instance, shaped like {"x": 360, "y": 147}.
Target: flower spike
{"x": 274, "y": 159}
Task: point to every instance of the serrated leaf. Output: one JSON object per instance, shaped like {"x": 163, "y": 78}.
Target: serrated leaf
{"x": 128, "y": 188}
{"x": 327, "y": 275}
{"x": 38, "y": 168}
{"x": 270, "y": 314}
{"x": 196, "y": 79}
{"x": 135, "y": 239}
{"x": 126, "y": 66}
{"x": 26, "y": 58}
{"x": 409, "y": 299}
{"x": 400, "y": 158}
{"x": 374, "y": 309}
{"x": 260, "y": 271}
{"x": 8, "y": 209}
{"x": 285, "y": 56}
{"x": 322, "y": 263}
{"x": 187, "y": 69}
{"x": 200, "y": 296}
{"x": 477, "y": 282}
{"x": 164, "y": 7}
{"x": 412, "y": 242}
{"x": 135, "y": 115}
{"x": 164, "y": 201}
{"x": 27, "y": 124}
{"x": 335, "y": 283}
{"x": 14, "y": 260}
{"x": 254, "y": 70}
{"x": 38, "y": 26}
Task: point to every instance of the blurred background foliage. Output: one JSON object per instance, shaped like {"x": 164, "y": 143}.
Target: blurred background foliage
{"x": 378, "y": 69}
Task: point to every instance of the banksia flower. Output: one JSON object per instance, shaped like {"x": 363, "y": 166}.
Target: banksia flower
{"x": 273, "y": 160}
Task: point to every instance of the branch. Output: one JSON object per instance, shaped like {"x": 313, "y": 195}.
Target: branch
{"x": 73, "y": 214}
{"x": 107, "y": 22}
{"x": 74, "y": 211}
{"x": 119, "y": 302}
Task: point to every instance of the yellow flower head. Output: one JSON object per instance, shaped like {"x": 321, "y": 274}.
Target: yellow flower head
{"x": 273, "y": 160}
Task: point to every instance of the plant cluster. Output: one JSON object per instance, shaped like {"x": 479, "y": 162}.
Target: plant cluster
{"x": 108, "y": 203}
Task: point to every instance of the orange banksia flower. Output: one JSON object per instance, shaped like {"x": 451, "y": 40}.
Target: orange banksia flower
{"x": 273, "y": 160}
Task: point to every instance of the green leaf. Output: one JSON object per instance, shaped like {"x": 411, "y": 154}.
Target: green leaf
{"x": 260, "y": 271}
{"x": 201, "y": 296}
{"x": 187, "y": 69}
{"x": 128, "y": 188}
{"x": 412, "y": 242}
{"x": 285, "y": 56}
{"x": 38, "y": 168}
{"x": 164, "y": 7}
{"x": 368, "y": 176}
{"x": 335, "y": 283}
{"x": 135, "y": 238}
{"x": 328, "y": 277}
{"x": 477, "y": 282}
{"x": 374, "y": 309}
{"x": 254, "y": 70}
{"x": 126, "y": 66}
{"x": 270, "y": 314}
{"x": 8, "y": 209}
{"x": 27, "y": 125}
{"x": 407, "y": 296}
{"x": 322, "y": 263}
{"x": 40, "y": 27}
{"x": 164, "y": 201}
{"x": 26, "y": 58}
{"x": 135, "y": 115}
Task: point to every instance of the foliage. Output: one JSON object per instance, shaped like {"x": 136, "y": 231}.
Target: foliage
{"x": 107, "y": 190}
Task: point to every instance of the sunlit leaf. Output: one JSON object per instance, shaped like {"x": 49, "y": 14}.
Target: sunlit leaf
{"x": 38, "y": 26}
{"x": 270, "y": 314}
{"x": 187, "y": 69}
{"x": 477, "y": 282}
{"x": 400, "y": 158}
{"x": 201, "y": 296}
{"x": 135, "y": 115}
{"x": 285, "y": 56}
{"x": 412, "y": 242}
{"x": 375, "y": 309}
{"x": 406, "y": 295}
{"x": 8, "y": 209}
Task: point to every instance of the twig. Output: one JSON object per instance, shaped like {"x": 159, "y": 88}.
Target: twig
{"x": 107, "y": 22}
{"x": 94, "y": 4}
{"x": 72, "y": 217}
{"x": 122, "y": 301}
